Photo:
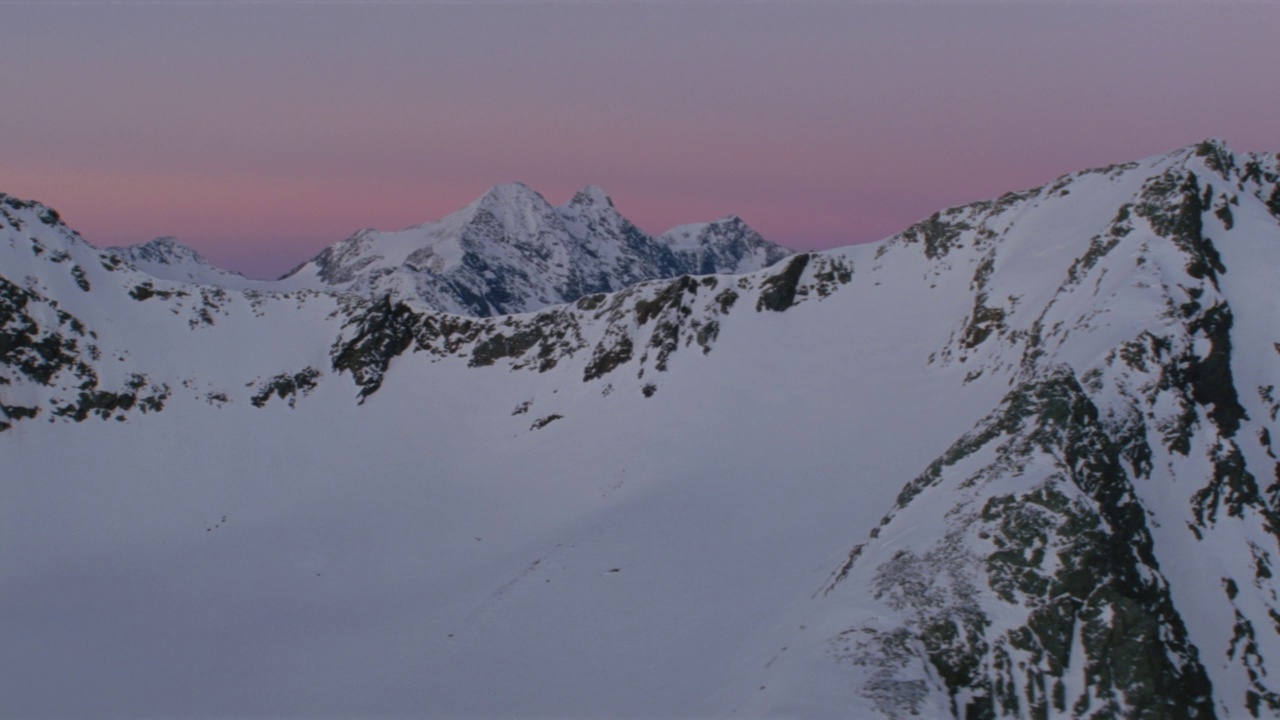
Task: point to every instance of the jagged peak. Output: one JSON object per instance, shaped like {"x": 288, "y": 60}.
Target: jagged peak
{"x": 1212, "y": 155}
{"x": 694, "y": 234}
{"x": 168, "y": 258}
{"x": 591, "y": 195}
{"x": 514, "y": 204}
{"x": 46, "y": 214}
{"x": 163, "y": 250}
{"x": 1216, "y": 156}
{"x": 510, "y": 243}
{"x": 689, "y": 234}
{"x": 1210, "y": 145}
{"x": 513, "y": 194}
{"x": 732, "y": 221}
{"x": 17, "y": 203}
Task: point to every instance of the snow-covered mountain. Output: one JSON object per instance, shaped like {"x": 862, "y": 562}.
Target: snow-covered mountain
{"x": 511, "y": 251}
{"x": 168, "y": 259}
{"x": 1016, "y": 461}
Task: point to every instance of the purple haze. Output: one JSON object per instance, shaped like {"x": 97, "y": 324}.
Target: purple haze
{"x": 261, "y": 132}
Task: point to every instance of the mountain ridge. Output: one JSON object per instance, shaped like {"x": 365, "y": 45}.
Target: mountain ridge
{"x": 511, "y": 251}
{"x": 168, "y": 258}
{"x": 1015, "y": 461}
{"x": 507, "y": 251}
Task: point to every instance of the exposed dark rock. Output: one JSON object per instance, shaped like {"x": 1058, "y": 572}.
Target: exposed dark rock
{"x": 288, "y": 387}
{"x": 1173, "y": 206}
{"x": 147, "y": 290}
{"x": 1210, "y": 378}
{"x": 937, "y": 234}
{"x": 1105, "y": 603}
{"x": 382, "y": 333}
{"x": 82, "y": 281}
{"x": 545, "y": 421}
{"x": 778, "y": 292}
{"x": 498, "y": 346}
{"x": 608, "y": 356}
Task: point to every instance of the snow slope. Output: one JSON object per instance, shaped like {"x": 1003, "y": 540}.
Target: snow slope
{"x": 1013, "y": 462}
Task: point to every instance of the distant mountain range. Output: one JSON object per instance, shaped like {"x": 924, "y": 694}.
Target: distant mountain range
{"x": 168, "y": 259}
{"x": 510, "y": 251}
{"x": 1017, "y": 461}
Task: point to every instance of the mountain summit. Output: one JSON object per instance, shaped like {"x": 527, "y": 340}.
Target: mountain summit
{"x": 169, "y": 259}
{"x": 511, "y": 251}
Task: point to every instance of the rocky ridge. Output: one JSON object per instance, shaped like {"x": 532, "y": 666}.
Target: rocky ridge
{"x": 1050, "y": 584}
{"x": 1049, "y": 563}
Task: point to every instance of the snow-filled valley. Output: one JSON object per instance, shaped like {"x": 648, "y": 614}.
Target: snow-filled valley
{"x": 1015, "y": 461}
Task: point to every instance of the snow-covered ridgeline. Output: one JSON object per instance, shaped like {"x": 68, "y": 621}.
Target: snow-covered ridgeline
{"x": 1092, "y": 364}
{"x": 76, "y": 305}
{"x": 511, "y": 251}
{"x": 1053, "y": 560}
{"x": 168, "y": 259}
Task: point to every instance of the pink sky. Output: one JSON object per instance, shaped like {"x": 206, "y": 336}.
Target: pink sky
{"x": 261, "y": 132}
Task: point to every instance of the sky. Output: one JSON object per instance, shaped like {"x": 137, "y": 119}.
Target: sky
{"x": 260, "y": 132}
